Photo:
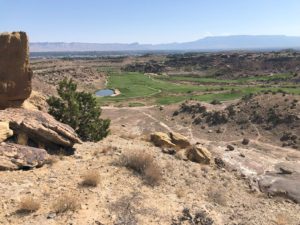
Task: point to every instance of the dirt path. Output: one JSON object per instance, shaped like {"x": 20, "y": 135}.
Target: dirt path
{"x": 160, "y": 122}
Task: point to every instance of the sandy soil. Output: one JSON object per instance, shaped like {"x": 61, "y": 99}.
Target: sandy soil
{"x": 123, "y": 197}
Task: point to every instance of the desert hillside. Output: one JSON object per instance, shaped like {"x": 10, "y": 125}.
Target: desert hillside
{"x": 182, "y": 149}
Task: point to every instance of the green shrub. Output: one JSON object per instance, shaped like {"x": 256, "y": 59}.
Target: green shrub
{"x": 215, "y": 102}
{"x": 79, "y": 110}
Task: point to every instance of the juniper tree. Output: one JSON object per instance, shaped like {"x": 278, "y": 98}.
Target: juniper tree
{"x": 79, "y": 110}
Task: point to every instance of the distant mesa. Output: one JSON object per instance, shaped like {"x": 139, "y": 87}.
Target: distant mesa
{"x": 238, "y": 42}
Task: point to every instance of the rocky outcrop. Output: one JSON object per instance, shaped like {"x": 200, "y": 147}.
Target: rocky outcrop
{"x": 177, "y": 144}
{"x": 284, "y": 181}
{"x": 161, "y": 139}
{"x": 179, "y": 140}
{"x": 199, "y": 155}
{"x": 13, "y": 157}
{"x": 5, "y": 132}
{"x": 15, "y": 73}
{"x": 173, "y": 140}
{"x": 39, "y": 129}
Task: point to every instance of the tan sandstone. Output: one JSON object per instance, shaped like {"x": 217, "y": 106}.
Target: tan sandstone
{"x": 15, "y": 72}
{"x": 5, "y": 132}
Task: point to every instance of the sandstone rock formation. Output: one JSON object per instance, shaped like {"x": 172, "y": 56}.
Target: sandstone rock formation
{"x": 179, "y": 140}
{"x": 161, "y": 139}
{"x": 199, "y": 155}
{"x": 173, "y": 140}
{"x": 5, "y": 132}
{"x": 175, "y": 143}
{"x": 13, "y": 157}
{"x": 39, "y": 129}
{"x": 15, "y": 73}
{"x": 284, "y": 181}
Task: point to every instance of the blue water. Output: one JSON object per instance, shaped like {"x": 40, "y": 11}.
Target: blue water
{"x": 105, "y": 92}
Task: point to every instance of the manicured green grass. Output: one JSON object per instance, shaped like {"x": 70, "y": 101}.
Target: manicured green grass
{"x": 135, "y": 104}
{"x": 137, "y": 86}
{"x": 224, "y": 96}
{"x": 204, "y": 80}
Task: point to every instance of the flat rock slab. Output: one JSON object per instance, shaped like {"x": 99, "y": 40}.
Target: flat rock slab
{"x": 284, "y": 181}
{"x": 13, "y": 157}
{"x": 39, "y": 127}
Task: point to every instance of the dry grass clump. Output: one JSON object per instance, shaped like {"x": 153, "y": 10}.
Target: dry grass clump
{"x": 180, "y": 192}
{"x": 104, "y": 150}
{"x": 91, "y": 178}
{"x": 28, "y": 205}
{"x": 51, "y": 160}
{"x": 153, "y": 174}
{"x": 129, "y": 136}
{"x": 66, "y": 202}
{"x": 217, "y": 196}
{"x": 144, "y": 164}
{"x": 282, "y": 219}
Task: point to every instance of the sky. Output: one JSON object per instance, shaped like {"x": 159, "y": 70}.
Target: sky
{"x": 147, "y": 21}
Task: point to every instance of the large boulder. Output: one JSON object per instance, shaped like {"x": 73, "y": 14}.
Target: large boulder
{"x": 5, "y": 131}
{"x": 284, "y": 181}
{"x": 198, "y": 154}
{"x": 39, "y": 129}
{"x": 13, "y": 157}
{"x": 161, "y": 139}
{"x": 15, "y": 73}
{"x": 179, "y": 140}
{"x": 171, "y": 140}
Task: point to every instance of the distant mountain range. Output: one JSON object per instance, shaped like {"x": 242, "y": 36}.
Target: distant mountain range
{"x": 239, "y": 42}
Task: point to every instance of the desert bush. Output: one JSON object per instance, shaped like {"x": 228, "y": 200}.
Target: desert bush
{"x": 79, "y": 110}
{"x": 217, "y": 196}
{"x": 51, "y": 160}
{"x": 152, "y": 174}
{"x": 282, "y": 219}
{"x": 90, "y": 178}
{"x": 180, "y": 193}
{"x": 106, "y": 149}
{"x": 247, "y": 97}
{"x": 215, "y": 102}
{"x": 28, "y": 205}
{"x": 199, "y": 218}
{"x": 197, "y": 120}
{"x": 216, "y": 117}
{"x": 144, "y": 164}
{"x": 66, "y": 202}
{"x": 231, "y": 110}
{"x": 191, "y": 109}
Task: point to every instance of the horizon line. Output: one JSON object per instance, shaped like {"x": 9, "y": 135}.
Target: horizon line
{"x": 141, "y": 43}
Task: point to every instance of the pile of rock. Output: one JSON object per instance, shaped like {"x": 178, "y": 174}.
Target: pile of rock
{"x": 26, "y": 136}
{"x": 174, "y": 143}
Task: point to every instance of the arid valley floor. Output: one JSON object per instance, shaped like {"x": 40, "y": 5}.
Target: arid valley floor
{"x": 242, "y": 107}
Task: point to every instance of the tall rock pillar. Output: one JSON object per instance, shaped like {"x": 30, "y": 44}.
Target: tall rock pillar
{"x": 15, "y": 72}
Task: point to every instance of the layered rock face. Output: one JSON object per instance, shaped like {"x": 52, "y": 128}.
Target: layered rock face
{"x": 15, "y": 72}
{"x": 39, "y": 129}
{"x": 13, "y": 157}
{"x": 26, "y": 135}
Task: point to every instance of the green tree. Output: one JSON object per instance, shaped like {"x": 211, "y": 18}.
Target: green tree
{"x": 79, "y": 110}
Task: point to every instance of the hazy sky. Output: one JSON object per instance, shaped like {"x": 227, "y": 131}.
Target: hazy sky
{"x": 147, "y": 21}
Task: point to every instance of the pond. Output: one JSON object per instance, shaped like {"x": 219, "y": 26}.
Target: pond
{"x": 105, "y": 92}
